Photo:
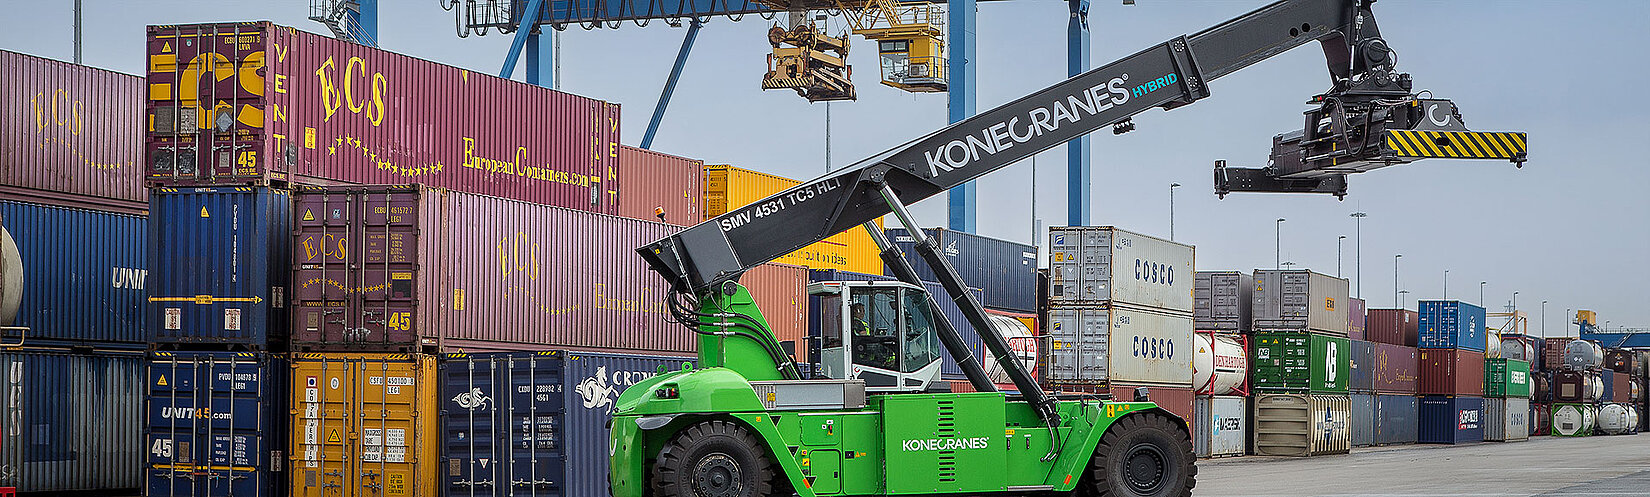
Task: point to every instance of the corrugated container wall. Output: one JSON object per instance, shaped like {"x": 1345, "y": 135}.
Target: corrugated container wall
{"x": 1449, "y": 324}
{"x": 219, "y": 258}
{"x": 1301, "y": 425}
{"x": 364, "y": 425}
{"x": 83, "y": 275}
{"x": 660, "y": 181}
{"x": 1300, "y": 361}
{"x": 67, "y": 128}
{"x": 430, "y": 268}
{"x": 1552, "y": 352}
{"x": 1451, "y": 419}
{"x": 1397, "y": 369}
{"x": 73, "y": 422}
{"x": 1007, "y": 271}
{"x": 594, "y": 382}
{"x": 1220, "y": 426}
{"x": 1506, "y": 420}
{"x": 1092, "y": 345}
{"x": 781, "y": 292}
{"x": 310, "y": 109}
{"x": 1362, "y": 366}
{"x": 1300, "y": 300}
{"x": 1394, "y": 326}
{"x": 1357, "y": 319}
{"x": 1451, "y": 372}
{"x": 728, "y": 188}
{"x": 936, "y": 293}
{"x": 1361, "y": 424}
{"x": 216, "y": 424}
{"x": 1099, "y": 265}
{"x": 1396, "y": 418}
{"x": 501, "y": 417}
{"x": 1221, "y": 300}
{"x": 1506, "y": 378}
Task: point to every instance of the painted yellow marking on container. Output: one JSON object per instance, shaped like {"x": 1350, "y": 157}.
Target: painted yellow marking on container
{"x": 161, "y": 382}
{"x": 204, "y": 213}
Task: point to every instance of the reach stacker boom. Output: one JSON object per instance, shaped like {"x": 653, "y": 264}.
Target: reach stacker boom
{"x": 870, "y": 419}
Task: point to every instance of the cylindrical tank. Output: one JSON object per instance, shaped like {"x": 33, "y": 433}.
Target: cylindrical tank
{"x": 1637, "y": 391}
{"x": 1613, "y": 419}
{"x": 1573, "y": 420}
{"x": 1582, "y": 355}
{"x": 11, "y": 278}
{"x": 1541, "y": 419}
{"x": 1633, "y": 414}
{"x": 1597, "y": 387}
{"x": 1219, "y": 364}
{"x": 1518, "y": 349}
{"x": 1541, "y": 389}
{"x": 1016, "y": 333}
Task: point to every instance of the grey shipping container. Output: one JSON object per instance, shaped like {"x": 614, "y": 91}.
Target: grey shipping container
{"x": 1221, "y": 300}
{"x": 1005, "y": 270}
{"x": 1099, "y": 265}
{"x": 72, "y": 422}
{"x": 1506, "y": 419}
{"x": 1396, "y": 418}
{"x": 948, "y": 308}
{"x": 1362, "y": 366}
{"x": 1220, "y": 425}
{"x": 1301, "y": 425}
{"x": 1297, "y": 299}
{"x": 1093, "y": 345}
{"x": 1361, "y": 424}
{"x": 82, "y": 276}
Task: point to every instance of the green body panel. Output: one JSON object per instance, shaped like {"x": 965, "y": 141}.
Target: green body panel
{"x": 1301, "y": 362}
{"x": 743, "y": 353}
{"x": 1506, "y": 378}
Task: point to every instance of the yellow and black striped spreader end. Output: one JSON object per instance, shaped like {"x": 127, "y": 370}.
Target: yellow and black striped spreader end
{"x": 1458, "y": 144}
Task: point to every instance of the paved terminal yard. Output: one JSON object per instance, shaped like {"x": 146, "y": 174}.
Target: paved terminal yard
{"x": 1617, "y": 466}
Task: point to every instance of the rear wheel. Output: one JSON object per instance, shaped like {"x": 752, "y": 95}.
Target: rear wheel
{"x": 1144, "y": 455}
{"x": 713, "y": 459}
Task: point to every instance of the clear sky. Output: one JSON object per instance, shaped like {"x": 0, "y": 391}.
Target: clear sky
{"x": 1571, "y": 227}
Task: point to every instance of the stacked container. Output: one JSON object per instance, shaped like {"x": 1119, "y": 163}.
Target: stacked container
{"x": 728, "y": 188}
{"x": 1506, "y": 400}
{"x": 73, "y": 274}
{"x": 1394, "y": 374}
{"x": 1221, "y": 303}
{"x": 1120, "y": 314}
{"x": 1006, "y": 270}
{"x": 1452, "y": 341}
{"x": 1361, "y": 369}
{"x": 662, "y": 187}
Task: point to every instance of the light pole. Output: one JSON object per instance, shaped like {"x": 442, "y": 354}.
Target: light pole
{"x": 1543, "y": 319}
{"x": 1446, "y": 284}
{"x": 1481, "y": 294}
{"x": 1404, "y": 298}
{"x": 1277, "y": 255}
{"x": 1395, "y": 280}
{"x": 1338, "y": 255}
{"x": 1172, "y": 186}
{"x": 1358, "y": 248}
{"x": 1566, "y": 325}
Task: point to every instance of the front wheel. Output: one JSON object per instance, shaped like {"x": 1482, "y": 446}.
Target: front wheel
{"x": 713, "y": 459}
{"x": 1143, "y": 455}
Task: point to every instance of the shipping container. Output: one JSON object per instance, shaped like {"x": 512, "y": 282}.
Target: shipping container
{"x": 1220, "y": 363}
{"x": 728, "y": 188}
{"x": 1396, "y": 419}
{"x": 1397, "y": 369}
{"x": 1221, "y": 424}
{"x": 1615, "y": 419}
{"x": 364, "y": 425}
{"x": 1290, "y": 361}
{"x": 781, "y": 292}
{"x": 1583, "y": 355}
{"x": 1574, "y": 420}
{"x": 1221, "y": 300}
{"x": 1523, "y": 348}
{"x": 1176, "y": 400}
{"x": 660, "y": 184}
{"x": 216, "y": 424}
{"x": 1541, "y": 419}
{"x": 1506, "y": 420}
{"x": 1361, "y": 423}
{"x": 1623, "y": 361}
{"x": 311, "y": 109}
{"x": 1617, "y": 386}
{"x": 936, "y": 293}
{"x": 1451, "y": 372}
{"x": 82, "y": 275}
{"x": 1451, "y": 419}
{"x": 409, "y": 268}
{"x": 1090, "y": 345}
{"x": 1357, "y": 319}
{"x": 1452, "y": 324}
{"x": 1577, "y": 386}
{"x": 1102, "y": 265}
{"x": 1301, "y": 425}
{"x": 73, "y": 422}
{"x": 219, "y": 257}
{"x": 1006, "y": 270}
{"x": 1299, "y": 299}
{"x": 69, "y": 134}
{"x": 1552, "y": 352}
{"x": 1362, "y": 366}
{"x": 1506, "y": 378}
{"x": 1394, "y": 326}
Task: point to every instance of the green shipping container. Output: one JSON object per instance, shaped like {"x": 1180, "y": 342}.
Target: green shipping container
{"x": 1301, "y": 362}
{"x": 1506, "y": 378}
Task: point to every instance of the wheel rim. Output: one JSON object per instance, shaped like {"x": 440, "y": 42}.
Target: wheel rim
{"x": 1144, "y": 468}
{"x": 717, "y": 475}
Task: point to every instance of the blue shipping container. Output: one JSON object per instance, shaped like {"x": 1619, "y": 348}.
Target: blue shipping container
{"x": 1609, "y": 378}
{"x": 1451, "y": 324}
{"x": 949, "y": 369}
{"x": 73, "y": 422}
{"x": 1006, "y": 271}
{"x": 1396, "y": 419}
{"x": 83, "y": 275}
{"x": 1361, "y": 426}
{"x": 565, "y": 398}
{"x": 1363, "y": 366}
{"x": 216, "y": 424}
{"x": 221, "y": 262}
{"x": 1451, "y": 420}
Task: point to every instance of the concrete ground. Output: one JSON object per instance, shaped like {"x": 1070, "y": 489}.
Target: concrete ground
{"x": 1617, "y": 466}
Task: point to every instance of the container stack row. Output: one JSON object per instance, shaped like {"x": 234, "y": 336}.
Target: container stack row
{"x": 1587, "y": 389}
{"x": 1302, "y": 356}
{"x": 1221, "y": 305}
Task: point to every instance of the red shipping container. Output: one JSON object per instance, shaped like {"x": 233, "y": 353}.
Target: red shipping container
{"x": 1451, "y": 372}
{"x": 1394, "y": 326}
{"x": 1176, "y": 400}
{"x": 781, "y": 292}
{"x": 415, "y": 268}
{"x": 662, "y": 181}
{"x": 71, "y": 129}
{"x": 256, "y": 103}
{"x": 1552, "y": 352}
{"x": 1396, "y": 369}
{"x": 1621, "y": 387}
{"x": 1356, "y": 320}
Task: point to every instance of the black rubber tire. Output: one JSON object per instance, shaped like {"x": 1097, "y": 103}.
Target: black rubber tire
{"x": 713, "y": 459}
{"x": 1143, "y": 455}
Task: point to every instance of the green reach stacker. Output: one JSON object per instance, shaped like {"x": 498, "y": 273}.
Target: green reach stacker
{"x": 872, "y": 417}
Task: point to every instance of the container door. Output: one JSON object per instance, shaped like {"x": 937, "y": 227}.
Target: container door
{"x": 470, "y": 403}
{"x": 171, "y": 444}
{"x": 389, "y": 266}
{"x": 387, "y": 407}
{"x": 533, "y": 426}
{"x": 231, "y": 441}
{"x": 322, "y": 451}
{"x": 324, "y": 254}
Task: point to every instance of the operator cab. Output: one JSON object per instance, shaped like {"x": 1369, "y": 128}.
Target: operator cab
{"x": 879, "y": 332}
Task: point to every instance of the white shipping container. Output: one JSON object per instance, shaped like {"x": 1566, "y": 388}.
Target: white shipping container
{"x": 1101, "y": 265}
{"x": 1092, "y": 345}
{"x": 1221, "y": 426}
{"x": 1506, "y": 420}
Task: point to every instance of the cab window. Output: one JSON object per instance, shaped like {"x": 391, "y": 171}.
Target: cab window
{"x": 921, "y": 345}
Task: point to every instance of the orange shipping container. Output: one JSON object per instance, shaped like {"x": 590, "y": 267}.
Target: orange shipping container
{"x": 364, "y": 425}
{"x": 781, "y": 291}
{"x": 653, "y": 180}
{"x": 728, "y": 187}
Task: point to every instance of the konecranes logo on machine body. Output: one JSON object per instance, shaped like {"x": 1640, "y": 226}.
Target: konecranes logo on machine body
{"x": 938, "y": 444}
